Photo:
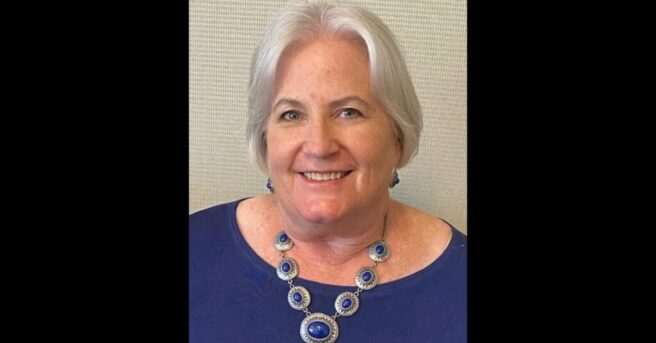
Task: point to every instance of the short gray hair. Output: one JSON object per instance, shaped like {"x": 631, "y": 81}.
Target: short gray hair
{"x": 390, "y": 80}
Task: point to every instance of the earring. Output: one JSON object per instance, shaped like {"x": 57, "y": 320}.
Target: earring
{"x": 395, "y": 179}
{"x": 269, "y": 185}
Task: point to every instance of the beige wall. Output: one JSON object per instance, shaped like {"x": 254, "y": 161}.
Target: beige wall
{"x": 222, "y": 37}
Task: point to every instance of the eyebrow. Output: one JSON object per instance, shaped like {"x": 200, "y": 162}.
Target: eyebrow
{"x": 335, "y": 103}
{"x": 289, "y": 102}
{"x": 352, "y": 98}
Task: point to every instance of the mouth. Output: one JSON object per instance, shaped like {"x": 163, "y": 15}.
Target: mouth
{"x": 325, "y": 176}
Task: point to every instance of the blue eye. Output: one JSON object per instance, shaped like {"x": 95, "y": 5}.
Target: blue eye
{"x": 290, "y": 115}
{"x": 349, "y": 112}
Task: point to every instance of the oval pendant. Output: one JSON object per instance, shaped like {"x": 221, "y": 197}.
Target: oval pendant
{"x": 319, "y": 328}
{"x": 282, "y": 242}
{"x": 298, "y": 297}
{"x": 379, "y": 251}
{"x": 287, "y": 269}
{"x": 347, "y": 303}
{"x": 366, "y": 278}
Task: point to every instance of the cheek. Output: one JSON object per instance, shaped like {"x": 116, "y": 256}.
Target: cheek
{"x": 272, "y": 150}
{"x": 279, "y": 148}
{"x": 378, "y": 148}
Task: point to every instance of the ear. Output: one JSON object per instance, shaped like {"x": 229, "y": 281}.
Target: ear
{"x": 264, "y": 151}
{"x": 399, "y": 144}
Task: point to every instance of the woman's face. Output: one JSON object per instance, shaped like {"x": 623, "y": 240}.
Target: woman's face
{"x": 331, "y": 146}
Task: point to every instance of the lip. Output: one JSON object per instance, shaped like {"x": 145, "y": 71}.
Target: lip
{"x": 324, "y": 182}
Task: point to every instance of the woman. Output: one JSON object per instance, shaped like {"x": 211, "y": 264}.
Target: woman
{"x": 327, "y": 255}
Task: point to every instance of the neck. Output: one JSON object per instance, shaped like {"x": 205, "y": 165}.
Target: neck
{"x": 338, "y": 242}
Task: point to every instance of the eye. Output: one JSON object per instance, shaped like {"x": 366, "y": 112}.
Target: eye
{"x": 290, "y": 115}
{"x": 349, "y": 113}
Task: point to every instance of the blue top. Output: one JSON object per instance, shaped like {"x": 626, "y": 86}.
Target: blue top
{"x": 235, "y": 296}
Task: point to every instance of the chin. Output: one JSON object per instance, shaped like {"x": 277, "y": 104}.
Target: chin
{"x": 322, "y": 212}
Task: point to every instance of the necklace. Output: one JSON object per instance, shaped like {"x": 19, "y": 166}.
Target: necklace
{"x": 319, "y": 327}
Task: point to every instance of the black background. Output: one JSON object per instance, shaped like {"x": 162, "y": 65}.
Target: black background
{"x": 96, "y": 141}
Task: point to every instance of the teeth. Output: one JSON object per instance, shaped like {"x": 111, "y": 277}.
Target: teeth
{"x": 324, "y": 176}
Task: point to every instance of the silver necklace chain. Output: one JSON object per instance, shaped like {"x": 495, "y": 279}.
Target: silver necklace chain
{"x": 307, "y": 312}
{"x": 318, "y": 327}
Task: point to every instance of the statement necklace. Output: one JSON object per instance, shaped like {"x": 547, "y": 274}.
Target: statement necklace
{"x": 319, "y": 327}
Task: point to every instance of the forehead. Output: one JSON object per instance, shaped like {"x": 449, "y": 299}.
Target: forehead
{"x": 323, "y": 62}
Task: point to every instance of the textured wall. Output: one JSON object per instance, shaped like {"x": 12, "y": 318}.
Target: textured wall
{"x": 432, "y": 34}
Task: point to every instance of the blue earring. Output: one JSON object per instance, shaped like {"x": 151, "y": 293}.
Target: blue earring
{"x": 269, "y": 185}
{"x": 395, "y": 179}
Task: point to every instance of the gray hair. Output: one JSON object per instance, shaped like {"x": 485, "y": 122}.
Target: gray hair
{"x": 390, "y": 80}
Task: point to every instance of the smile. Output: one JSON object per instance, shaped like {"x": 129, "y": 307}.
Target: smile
{"x": 336, "y": 175}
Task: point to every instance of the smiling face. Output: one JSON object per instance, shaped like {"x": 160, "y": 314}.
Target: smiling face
{"x": 331, "y": 146}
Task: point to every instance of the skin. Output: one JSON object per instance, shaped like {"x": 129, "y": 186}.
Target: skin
{"x": 325, "y": 119}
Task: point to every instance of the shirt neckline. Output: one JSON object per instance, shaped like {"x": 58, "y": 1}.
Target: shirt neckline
{"x": 455, "y": 241}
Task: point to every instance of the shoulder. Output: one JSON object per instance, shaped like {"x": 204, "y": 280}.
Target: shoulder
{"x": 257, "y": 219}
{"x": 256, "y": 212}
{"x": 429, "y": 230}
{"x": 419, "y": 225}
{"x": 210, "y": 223}
{"x": 212, "y": 215}
{"x": 419, "y": 237}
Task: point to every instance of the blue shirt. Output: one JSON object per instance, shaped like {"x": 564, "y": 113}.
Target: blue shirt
{"x": 235, "y": 296}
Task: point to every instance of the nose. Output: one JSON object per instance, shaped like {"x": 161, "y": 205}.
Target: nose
{"x": 321, "y": 139}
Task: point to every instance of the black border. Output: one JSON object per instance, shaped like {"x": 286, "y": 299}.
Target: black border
{"x": 125, "y": 155}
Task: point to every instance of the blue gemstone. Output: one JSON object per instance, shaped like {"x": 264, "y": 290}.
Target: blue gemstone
{"x": 297, "y": 297}
{"x": 286, "y": 267}
{"x": 366, "y": 276}
{"x": 318, "y": 329}
{"x": 283, "y": 237}
{"x": 380, "y": 249}
{"x": 346, "y": 303}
